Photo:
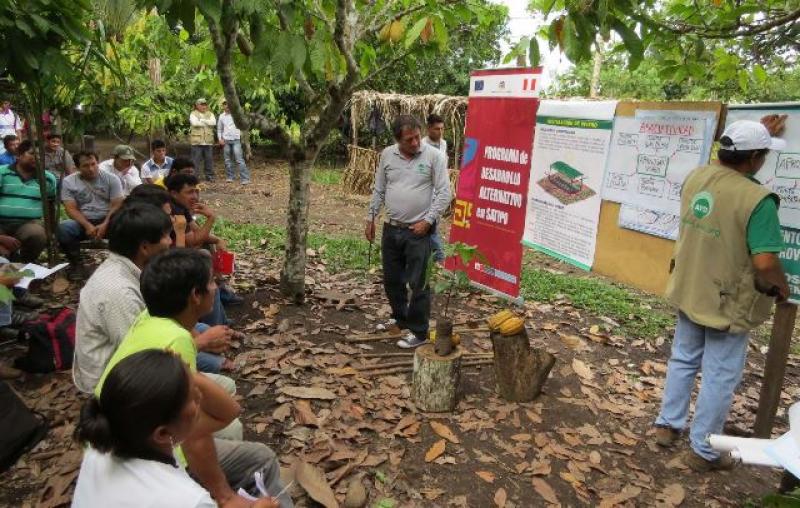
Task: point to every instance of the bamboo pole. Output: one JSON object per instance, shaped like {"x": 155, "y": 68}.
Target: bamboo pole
{"x": 775, "y": 368}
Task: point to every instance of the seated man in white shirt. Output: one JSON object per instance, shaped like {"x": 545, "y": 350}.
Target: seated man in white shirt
{"x": 121, "y": 164}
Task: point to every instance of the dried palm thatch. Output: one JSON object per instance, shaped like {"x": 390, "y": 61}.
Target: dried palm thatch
{"x": 451, "y": 108}
{"x": 360, "y": 170}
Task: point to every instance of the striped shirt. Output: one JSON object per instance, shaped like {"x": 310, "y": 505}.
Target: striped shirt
{"x": 20, "y": 199}
{"x": 109, "y": 304}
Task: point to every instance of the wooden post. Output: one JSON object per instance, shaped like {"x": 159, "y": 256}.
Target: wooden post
{"x": 774, "y": 368}
{"x": 436, "y": 379}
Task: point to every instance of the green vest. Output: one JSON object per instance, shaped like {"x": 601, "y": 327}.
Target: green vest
{"x": 712, "y": 277}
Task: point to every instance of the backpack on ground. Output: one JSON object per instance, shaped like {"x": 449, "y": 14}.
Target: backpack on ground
{"x": 20, "y": 429}
{"x": 51, "y": 342}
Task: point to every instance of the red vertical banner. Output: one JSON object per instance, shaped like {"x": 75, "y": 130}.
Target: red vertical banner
{"x": 492, "y": 191}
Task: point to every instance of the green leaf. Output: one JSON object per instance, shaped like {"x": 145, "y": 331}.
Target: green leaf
{"x": 631, "y": 41}
{"x": 533, "y": 52}
{"x": 413, "y": 34}
{"x": 760, "y": 74}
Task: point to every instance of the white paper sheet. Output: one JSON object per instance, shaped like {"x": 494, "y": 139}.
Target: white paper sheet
{"x": 39, "y": 272}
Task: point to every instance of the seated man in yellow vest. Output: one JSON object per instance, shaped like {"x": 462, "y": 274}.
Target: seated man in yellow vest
{"x": 725, "y": 274}
{"x": 178, "y": 287}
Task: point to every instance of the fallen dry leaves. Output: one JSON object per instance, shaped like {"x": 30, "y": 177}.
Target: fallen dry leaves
{"x": 444, "y": 431}
{"x": 544, "y": 490}
{"x": 435, "y": 451}
{"x": 486, "y": 476}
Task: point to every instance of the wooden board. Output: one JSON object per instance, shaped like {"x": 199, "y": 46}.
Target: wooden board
{"x": 632, "y": 258}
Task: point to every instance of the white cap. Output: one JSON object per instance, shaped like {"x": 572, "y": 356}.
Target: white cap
{"x": 750, "y": 135}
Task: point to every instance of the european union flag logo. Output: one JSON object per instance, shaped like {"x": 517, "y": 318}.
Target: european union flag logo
{"x": 479, "y": 85}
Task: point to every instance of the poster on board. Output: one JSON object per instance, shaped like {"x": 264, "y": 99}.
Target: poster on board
{"x": 781, "y": 174}
{"x": 655, "y": 222}
{"x": 649, "y": 158}
{"x": 491, "y": 195}
{"x": 569, "y": 155}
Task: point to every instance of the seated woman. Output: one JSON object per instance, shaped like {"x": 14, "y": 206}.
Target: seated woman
{"x": 149, "y": 404}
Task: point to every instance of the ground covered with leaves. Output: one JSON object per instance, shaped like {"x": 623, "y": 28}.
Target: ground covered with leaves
{"x": 341, "y": 408}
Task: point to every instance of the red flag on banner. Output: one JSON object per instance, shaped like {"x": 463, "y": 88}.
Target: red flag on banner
{"x": 492, "y": 191}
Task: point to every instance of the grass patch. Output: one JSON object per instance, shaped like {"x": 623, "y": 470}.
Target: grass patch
{"x": 339, "y": 252}
{"x": 638, "y": 315}
{"x": 326, "y": 176}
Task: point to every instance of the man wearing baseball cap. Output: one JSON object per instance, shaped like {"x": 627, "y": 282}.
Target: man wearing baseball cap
{"x": 201, "y": 137}
{"x": 725, "y": 276}
{"x": 121, "y": 164}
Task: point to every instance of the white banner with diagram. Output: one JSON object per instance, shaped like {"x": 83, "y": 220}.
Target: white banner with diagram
{"x": 649, "y": 159}
{"x": 570, "y": 147}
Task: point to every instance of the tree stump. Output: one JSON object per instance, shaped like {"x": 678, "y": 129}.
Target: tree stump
{"x": 436, "y": 379}
{"x": 520, "y": 370}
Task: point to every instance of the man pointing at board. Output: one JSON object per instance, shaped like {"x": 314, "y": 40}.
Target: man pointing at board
{"x": 725, "y": 275}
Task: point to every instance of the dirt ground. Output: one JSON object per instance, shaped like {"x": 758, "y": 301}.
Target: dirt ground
{"x": 317, "y": 398}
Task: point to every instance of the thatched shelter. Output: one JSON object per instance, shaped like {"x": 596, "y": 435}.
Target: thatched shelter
{"x": 364, "y": 105}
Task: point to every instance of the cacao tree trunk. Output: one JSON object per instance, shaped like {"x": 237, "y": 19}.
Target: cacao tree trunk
{"x": 294, "y": 263}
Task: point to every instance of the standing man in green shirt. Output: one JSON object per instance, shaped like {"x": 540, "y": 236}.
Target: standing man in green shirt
{"x": 725, "y": 275}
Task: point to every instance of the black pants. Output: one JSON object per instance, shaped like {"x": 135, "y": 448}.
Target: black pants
{"x": 405, "y": 260}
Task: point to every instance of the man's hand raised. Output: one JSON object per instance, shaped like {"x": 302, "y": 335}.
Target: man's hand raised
{"x": 775, "y": 124}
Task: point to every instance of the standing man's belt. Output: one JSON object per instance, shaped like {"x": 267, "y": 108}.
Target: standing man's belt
{"x": 398, "y": 224}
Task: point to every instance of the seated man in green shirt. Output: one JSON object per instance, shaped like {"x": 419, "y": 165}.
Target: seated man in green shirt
{"x": 21, "y": 209}
{"x": 178, "y": 287}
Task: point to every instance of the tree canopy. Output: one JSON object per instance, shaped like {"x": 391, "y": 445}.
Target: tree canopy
{"x": 677, "y": 34}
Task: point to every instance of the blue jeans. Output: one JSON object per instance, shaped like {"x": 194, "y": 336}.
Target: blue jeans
{"x": 233, "y": 151}
{"x": 217, "y": 315}
{"x": 437, "y": 245}
{"x": 720, "y": 355}
{"x": 203, "y": 156}
{"x": 207, "y": 362}
{"x": 69, "y": 235}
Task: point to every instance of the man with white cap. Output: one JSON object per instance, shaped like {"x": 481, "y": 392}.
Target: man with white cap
{"x": 121, "y": 164}
{"x": 725, "y": 277}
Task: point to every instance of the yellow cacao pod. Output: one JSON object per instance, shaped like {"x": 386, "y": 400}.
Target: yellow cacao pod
{"x": 495, "y": 320}
{"x": 512, "y": 326}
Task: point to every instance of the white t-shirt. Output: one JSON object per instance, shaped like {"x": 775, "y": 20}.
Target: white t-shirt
{"x": 105, "y": 480}
{"x": 9, "y": 124}
{"x": 441, "y": 145}
{"x": 129, "y": 180}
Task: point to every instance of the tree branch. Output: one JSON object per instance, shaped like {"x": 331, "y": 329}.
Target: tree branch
{"x": 732, "y": 31}
{"x": 383, "y": 67}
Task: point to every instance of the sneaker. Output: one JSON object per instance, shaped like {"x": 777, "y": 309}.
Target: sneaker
{"x": 246, "y": 182}
{"x": 701, "y": 465}
{"x": 387, "y": 325}
{"x": 410, "y": 341}
{"x": 29, "y": 301}
{"x": 666, "y": 436}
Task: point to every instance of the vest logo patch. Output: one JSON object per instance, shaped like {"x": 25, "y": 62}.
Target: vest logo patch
{"x": 702, "y": 204}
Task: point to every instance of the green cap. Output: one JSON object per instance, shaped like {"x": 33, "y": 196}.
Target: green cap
{"x": 123, "y": 152}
